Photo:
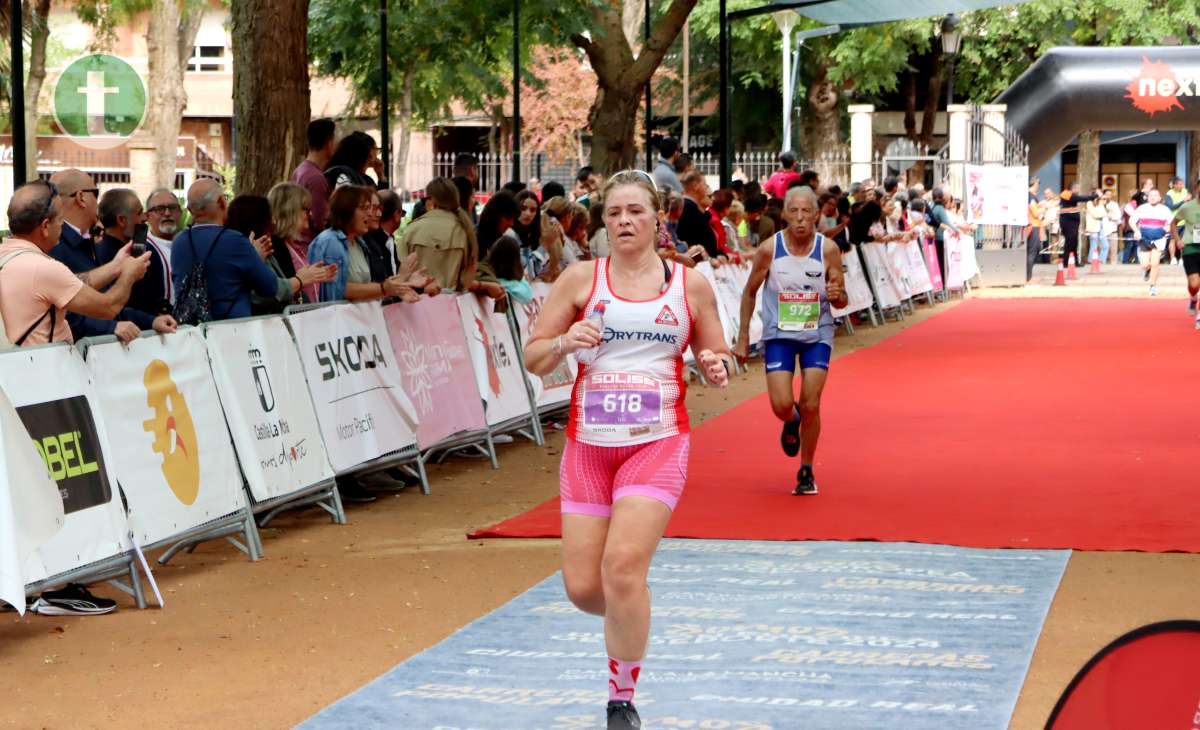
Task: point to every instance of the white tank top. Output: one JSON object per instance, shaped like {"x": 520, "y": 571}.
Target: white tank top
{"x": 633, "y": 391}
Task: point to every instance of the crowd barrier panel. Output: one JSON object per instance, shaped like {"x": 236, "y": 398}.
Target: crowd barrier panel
{"x": 883, "y": 289}
{"x": 499, "y": 368}
{"x": 910, "y": 257}
{"x": 552, "y": 392}
{"x": 934, "y": 266}
{"x": 270, "y": 416}
{"x": 365, "y": 417}
{"x": 430, "y": 347}
{"x": 174, "y": 456}
{"x": 61, "y": 514}
{"x": 956, "y": 265}
{"x": 858, "y": 290}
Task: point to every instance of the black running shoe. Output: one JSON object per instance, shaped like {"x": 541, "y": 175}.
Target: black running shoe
{"x": 623, "y": 716}
{"x": 805, "y": 483}
{"x": 352, "y": 490}
{"x": 72, "y": 600}
{"x": 790, "y": 438}
{"x": 1146, "y": 275}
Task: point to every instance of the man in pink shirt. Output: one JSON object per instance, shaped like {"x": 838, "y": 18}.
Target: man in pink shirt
{"x": 310, "y": 174}
{"x": 36, "y": 290}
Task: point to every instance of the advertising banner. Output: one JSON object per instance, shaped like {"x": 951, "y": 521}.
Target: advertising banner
{"x": 498, "y": 372}
{"x": 897, "y": 263}
{"x": 431, "y": 352}
{"x": 741, "y": 276}
{"x": 885, "y": 285}
{"x": 932, "y": 264}
{"x": 858, "y": 291}
{"x": 728, "y": 319}
{"x": 997, "y": 195}
{"x": 170, "y": 446}
{"x": 58, "y": 482}
{"x": 912, "y": 259}
{"x": 31, "y": 509}
{"x": 554, "y": 388}
{"x": 955, "y": 276}
{"x": 267, "y": 405}
{"x": 355, "y": 382}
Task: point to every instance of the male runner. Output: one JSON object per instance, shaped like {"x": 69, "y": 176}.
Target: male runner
{"x": 1189, "y": 215}
{"x": 802, "y": 271}
{"x": 1149, "y": 224}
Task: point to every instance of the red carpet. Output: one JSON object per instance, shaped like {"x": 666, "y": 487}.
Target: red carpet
{"x": 1046, "y": 423}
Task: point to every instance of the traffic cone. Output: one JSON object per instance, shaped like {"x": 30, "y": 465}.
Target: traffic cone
{"x": 1071, "y": 268}
{"x": 1095, "y": 264}
{"x": 1059, "y": 279}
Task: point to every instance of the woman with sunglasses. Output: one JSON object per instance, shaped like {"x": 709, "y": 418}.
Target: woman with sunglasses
{"x": 625, "y": 460}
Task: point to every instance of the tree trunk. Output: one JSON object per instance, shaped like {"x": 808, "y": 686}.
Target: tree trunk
{"x": 910, "y": 105}
{"x": 1088, "y": 168}
{"x": 36, "y": 20}
{"x": 170, "y": 35}
{"x": 933, "y": 95}
{"x": 404, "y": 119}
{"x": 270, "y": 90}
{"x": 622, "y": 78}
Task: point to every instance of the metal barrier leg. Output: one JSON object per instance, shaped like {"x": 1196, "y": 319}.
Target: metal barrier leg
{"x": 491, "y": 451}
{"x": 423, "y": 476}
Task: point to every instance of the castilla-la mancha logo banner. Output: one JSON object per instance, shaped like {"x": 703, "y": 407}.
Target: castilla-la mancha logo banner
{"x": 1156, "y": 88}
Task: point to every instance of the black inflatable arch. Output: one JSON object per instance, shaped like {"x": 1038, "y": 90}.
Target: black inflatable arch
{"x": 1071, "y": 90}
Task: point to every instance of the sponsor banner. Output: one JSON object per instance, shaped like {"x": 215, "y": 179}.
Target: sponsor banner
{"x": 913, "y": 260}
{"x": 355, "y": 382}
{"x": 953, "y": 247}
{"x": 970, "y": 264}
{"x": 858, "y": 291}
{"x": 932, "y": 264}
{"x": 31, "y": 510}
{"x": 430, "y": 349}
{"x": 498, "y": 372}
{"x": 553, "y": 388}
{"x": 167, "y": 433}
{"x": 897, "y": 263}
{"x": 997, "y": 195}
{"x": 267, "y": 405}
{"x": 886, "y": 289}
{"x": 750, "y": 636}
{"x": 728, "y": 319}
{"x": 741, "y": 275}
{"x": 58, "y": 481}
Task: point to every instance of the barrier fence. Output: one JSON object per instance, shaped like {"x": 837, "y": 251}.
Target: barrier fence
{"x": 111, "y": 449}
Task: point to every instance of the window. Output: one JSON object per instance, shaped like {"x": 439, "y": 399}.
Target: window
{"x": 209, "y": 59}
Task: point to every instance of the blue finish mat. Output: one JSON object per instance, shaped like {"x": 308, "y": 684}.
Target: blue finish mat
{"x": 747, "y": 636}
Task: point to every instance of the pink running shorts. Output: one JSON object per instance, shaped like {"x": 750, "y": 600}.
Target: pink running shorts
{"x": 592, "y": 478}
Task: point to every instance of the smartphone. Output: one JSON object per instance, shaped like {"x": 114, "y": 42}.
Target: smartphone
{"x": 140, "y": 231}
{"x": 698, "y": 256}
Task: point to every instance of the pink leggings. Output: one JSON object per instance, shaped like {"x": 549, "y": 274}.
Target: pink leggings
{"x": 593, "y": 477}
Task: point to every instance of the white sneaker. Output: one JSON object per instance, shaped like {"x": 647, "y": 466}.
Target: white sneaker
{"x": 1153, "y": 291}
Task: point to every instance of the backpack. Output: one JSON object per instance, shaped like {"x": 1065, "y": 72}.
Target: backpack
{"x": 5, "y": 342}
{"x": 191, "y": 304}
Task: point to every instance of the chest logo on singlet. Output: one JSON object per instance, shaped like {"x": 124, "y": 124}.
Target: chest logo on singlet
{"x": 667, "y": 317}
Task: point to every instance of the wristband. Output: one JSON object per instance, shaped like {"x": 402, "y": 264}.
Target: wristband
{"x": 558, "y": 349}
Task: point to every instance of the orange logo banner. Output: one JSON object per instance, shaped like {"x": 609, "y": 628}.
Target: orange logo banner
{"x": 174, "y": 433}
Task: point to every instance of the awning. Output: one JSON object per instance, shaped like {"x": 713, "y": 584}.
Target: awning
{"x": 865, "y": 12}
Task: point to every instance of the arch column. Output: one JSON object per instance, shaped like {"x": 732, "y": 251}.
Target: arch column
{"x": 862, "y": 142}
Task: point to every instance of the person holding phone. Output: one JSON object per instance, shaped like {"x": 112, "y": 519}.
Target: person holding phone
{"x": 802, "y": 271}
{"x": 124, "y": 222}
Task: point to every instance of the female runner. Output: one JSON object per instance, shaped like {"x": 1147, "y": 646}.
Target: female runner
{"x": 625, "y": 459}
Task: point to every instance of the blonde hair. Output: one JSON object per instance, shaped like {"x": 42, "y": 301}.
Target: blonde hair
{"x": 736, "y": 208}
{"x": 287, "y": 209}
{"x": 444, "y": 193}
{"x": 638, "y": 178}
{"x": 558, "y": 206}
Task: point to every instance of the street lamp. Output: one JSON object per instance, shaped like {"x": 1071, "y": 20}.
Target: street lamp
{"x": 951, "y": 40}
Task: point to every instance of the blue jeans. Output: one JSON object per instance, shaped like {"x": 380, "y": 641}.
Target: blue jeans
{"x": 1098, "y": 242}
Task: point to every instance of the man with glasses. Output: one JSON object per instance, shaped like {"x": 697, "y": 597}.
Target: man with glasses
{"x": 76, "y": 248}
{"x": 36, "y": 290}
{"x": 163, "y": 214}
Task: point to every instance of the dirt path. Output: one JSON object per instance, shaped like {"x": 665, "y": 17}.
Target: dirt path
{"x": 265, "y": 645}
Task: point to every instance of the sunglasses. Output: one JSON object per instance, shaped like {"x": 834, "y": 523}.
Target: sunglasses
{"x": 45, "y": 212}
{"x": 160, "y": 209}
{"x": 94, "y": 191}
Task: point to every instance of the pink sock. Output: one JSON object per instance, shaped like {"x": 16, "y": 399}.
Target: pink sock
{"x": 622, "y": 679}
